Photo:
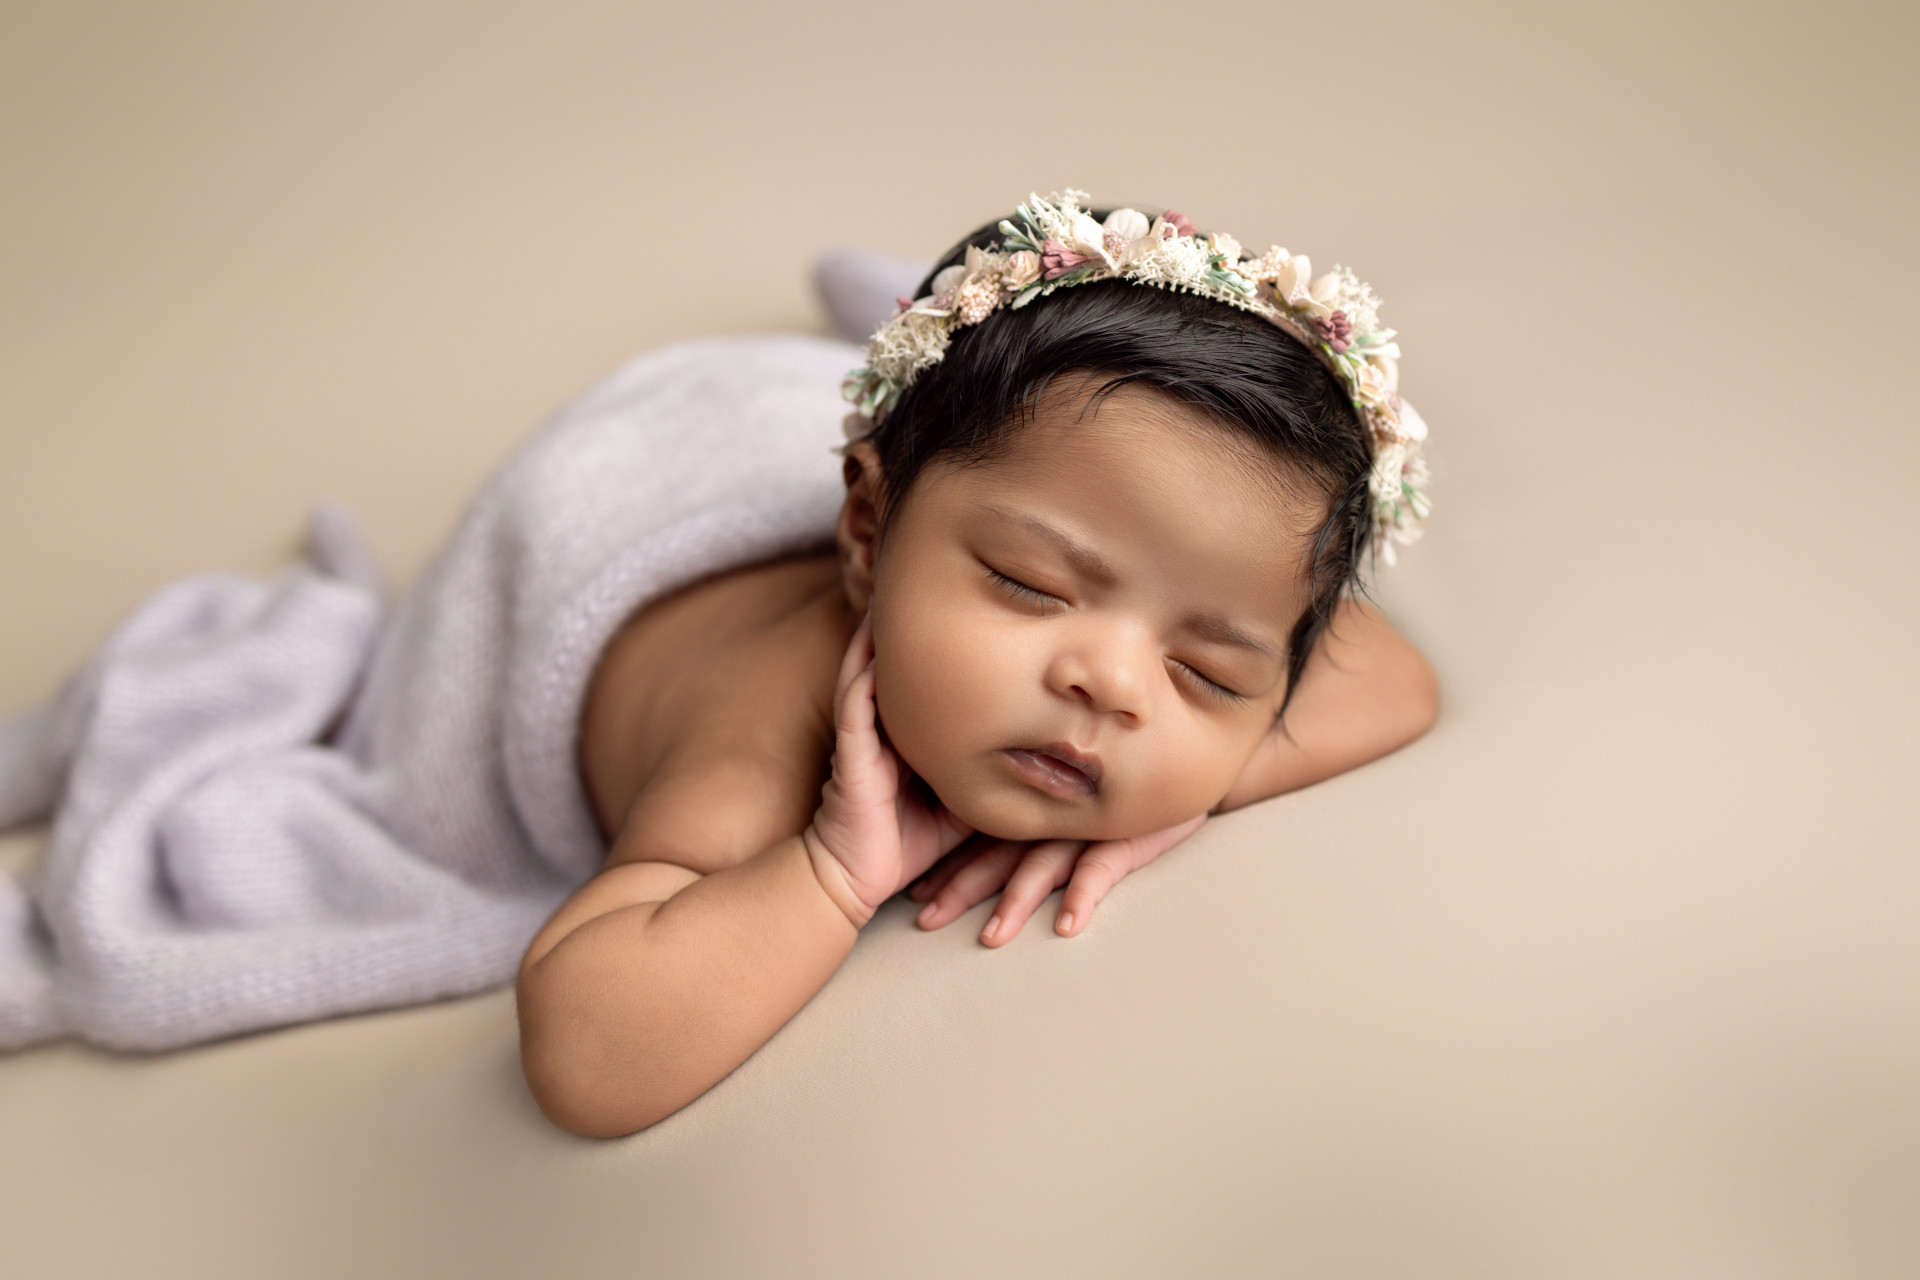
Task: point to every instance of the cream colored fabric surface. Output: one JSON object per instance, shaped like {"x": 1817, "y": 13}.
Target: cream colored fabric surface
{"x": 1613, "y": 974}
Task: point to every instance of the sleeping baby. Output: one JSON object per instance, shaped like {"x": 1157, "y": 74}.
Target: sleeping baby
{"x": 1107, "y": 493}
{"x": 680, "y": 705}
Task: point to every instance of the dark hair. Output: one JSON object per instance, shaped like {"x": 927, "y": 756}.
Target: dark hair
{"x": 1235, "y": 368}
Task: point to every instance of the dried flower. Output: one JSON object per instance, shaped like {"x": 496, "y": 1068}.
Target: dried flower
{"x": 1335, "y": 330}
{"x": 1128, "y": 224}
{"x": 977, "y": 298}
{"x": 1022, "y": 269}
{"x": 1058, "y": 259}
{"x": 1336, "y": 315}
{"x": 949, "y": 279}
{"x": 1370, "y": 384}
{"x": 1088, "y": 236}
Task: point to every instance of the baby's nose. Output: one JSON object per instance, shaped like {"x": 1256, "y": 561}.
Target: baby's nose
{"x": 1104, "y": 677}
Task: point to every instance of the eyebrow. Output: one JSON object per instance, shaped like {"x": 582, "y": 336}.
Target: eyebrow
{"x": 1207, "y": 626}
{"x": 1079, "y": 554}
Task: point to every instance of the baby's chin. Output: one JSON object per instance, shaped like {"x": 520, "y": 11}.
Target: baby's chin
{"x": 1008, "y": 813}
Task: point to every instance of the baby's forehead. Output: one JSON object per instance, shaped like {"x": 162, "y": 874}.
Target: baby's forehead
{"x": 1138, "y": 446}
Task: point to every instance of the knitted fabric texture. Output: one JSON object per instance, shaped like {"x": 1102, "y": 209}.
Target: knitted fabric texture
{"x": 230, "y": 853}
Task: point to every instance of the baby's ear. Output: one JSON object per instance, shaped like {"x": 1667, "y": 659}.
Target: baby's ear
{"x": 859, "y": 528}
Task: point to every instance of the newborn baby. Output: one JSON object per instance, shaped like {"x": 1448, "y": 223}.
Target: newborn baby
{"x": 1093, "y": 582}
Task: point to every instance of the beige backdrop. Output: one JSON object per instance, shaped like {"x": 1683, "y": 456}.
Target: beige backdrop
{"x": 1615, "y": 974}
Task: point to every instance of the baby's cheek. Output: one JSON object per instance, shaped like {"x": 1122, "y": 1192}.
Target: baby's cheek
{"x": 1185, "y": 775}
{"x": 930, "y": 688}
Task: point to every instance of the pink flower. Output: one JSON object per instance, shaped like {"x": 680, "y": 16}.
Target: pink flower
{"x": 1022, "y": 269}
{"x": 1335, "y": 330}
{"x": 1058, "y": 259}
{"x": 1181, "y": 226}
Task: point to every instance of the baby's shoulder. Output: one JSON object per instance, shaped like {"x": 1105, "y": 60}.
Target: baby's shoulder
{"x": 709, "y": 721}
{"x": 708, "y": 809}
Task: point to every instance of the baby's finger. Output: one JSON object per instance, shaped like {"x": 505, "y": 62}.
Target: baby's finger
{"x": 1045, "y": 868}
{"x": 858, "y": 658}
{"x": 972, "y": 882}
{"x": 1140, "y": 850}
{"x": 928, "y": 829}
{"x": 1103, "y": 865}
{"x": 1099, "y": 869}
{"x": 856, "y": 745}
{"x": 946, "y": 868}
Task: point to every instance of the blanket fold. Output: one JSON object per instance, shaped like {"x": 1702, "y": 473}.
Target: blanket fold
{"x": 279, "y": 800}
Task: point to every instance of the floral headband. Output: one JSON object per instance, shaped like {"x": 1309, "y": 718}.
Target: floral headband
{"x": 1059, "y": 245}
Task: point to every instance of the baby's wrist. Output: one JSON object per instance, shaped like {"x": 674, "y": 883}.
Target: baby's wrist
{"x": 833, "y": 879}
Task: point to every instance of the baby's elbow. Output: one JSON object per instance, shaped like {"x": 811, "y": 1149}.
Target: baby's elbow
{"x": 1420, "y": 697}
{"x": 567, "y": 1071}
{"x": 565, "y": 1097}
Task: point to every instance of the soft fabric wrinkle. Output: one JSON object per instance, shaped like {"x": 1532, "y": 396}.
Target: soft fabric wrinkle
{"x": 279, "y": 800}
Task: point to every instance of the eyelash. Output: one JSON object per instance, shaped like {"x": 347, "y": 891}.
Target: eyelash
{"x": 1212, "y": 688}
{"x": 1019, "y": 588}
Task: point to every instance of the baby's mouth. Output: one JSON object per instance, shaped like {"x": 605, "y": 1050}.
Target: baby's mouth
{"x": 1056, "y": 769}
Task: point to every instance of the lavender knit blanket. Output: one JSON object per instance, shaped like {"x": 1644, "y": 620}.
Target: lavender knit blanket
{"x": 279, "y": 800}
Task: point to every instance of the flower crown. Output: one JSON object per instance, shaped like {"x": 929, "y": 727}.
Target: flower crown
{"x": 1059, "y": 245}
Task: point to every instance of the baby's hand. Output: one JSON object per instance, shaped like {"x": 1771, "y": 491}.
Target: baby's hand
{"x": 877, "y": 826}
{"x": 1023, "y": 874}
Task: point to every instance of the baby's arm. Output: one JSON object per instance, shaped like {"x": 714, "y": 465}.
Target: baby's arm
{"x": 653, "y": 981}
{"x": 1365, "y": 691}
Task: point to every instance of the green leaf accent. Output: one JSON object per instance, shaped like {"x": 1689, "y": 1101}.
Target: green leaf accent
{"x": 1016, "y": 237}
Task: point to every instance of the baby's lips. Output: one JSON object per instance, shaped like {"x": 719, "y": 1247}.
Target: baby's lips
{"x": 1061, "y": 777}
{"x": 1066, "y": 753}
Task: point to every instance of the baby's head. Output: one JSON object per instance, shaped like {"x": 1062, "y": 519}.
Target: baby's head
{"x": 1098, "y": 538}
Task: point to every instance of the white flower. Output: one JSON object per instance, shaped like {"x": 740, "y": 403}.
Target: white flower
{"x": 976, "y": 299}
{"x": 1089, "y": 237}
{"x": 1388, "y": 370}
{"x": 979, "y": 260}
{"x": 1323, "y": 295}
{"x": 1412, "y": 425}
{"x": 1128, "y": 224}
{"x": 1389, "y": 458}
{"x": 911, "y": 342}
{"x": 1179, "y": 262}
{"x": 1226, "y": 246}
{"x": 1341, "y": 290}
{"x": 1052, "y": 215}
{"x": 1370, "y": 383}
{"x": 1290, "y": 281}
{"x": 949, "y": 279}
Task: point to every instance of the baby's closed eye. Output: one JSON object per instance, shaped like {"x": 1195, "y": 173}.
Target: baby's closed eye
{"x": 1021, "y": 591}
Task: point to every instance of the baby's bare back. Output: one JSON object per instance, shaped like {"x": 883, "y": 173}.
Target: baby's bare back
{"x": 709, "y": 721}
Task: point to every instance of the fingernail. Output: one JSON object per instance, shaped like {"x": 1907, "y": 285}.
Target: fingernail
{"x": 992, "y": 925}
{"x": 1065, "y": 923}
{"x": 926, "y": 913}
